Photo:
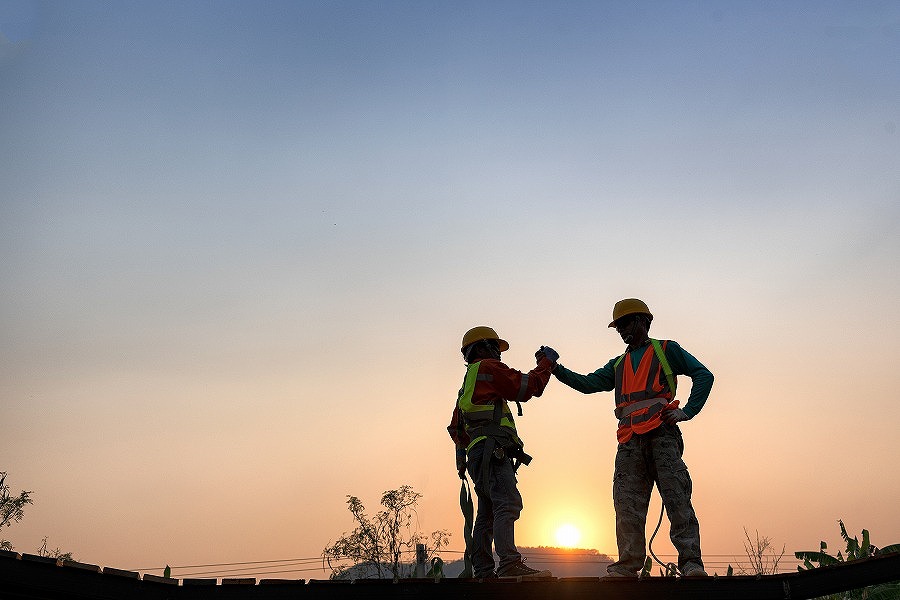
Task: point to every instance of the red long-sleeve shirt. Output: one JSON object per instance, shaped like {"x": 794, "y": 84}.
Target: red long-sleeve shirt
{"x": 505, "y": 383}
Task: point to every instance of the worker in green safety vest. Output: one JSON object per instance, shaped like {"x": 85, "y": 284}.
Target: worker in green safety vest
{"x": 489, "y": 447}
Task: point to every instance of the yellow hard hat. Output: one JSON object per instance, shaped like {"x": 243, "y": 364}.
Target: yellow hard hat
{"x": 629, "y": 306}
{"x": 477, "y": 334}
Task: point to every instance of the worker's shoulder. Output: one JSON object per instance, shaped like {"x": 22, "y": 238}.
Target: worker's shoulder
{"x": 493, "y": 364}
{"x": 673, "y": 348}
{"x": 678, "y": 353}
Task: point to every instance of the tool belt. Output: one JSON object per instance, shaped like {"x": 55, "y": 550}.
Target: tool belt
{"x": 500, "y": 443}
{"x": 494, "y": 451}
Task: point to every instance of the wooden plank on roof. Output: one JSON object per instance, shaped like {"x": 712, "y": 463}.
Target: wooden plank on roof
{"x": 151, "y": 578}
{"x": 72, "y": 564}
{"x": 199, "y": 581}
{"x": 239, "y": 581}
{"x": 121, "y": 573}
{"x": 40, "y": 559}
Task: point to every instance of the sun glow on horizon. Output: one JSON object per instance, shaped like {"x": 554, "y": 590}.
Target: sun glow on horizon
{"x": 568, "y": 535}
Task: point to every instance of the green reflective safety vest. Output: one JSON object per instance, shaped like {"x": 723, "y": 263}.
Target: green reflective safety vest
{"x": 483, "y": 420}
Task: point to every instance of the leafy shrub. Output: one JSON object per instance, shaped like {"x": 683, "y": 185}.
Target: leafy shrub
{"x": 855, "y": 550}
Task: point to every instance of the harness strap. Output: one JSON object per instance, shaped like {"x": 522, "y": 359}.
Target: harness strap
{"x": 489, "y": 444}
{"x": 667, "y": 369}
{"x": 468, "y": 511}
{"x": 484, "y": 478}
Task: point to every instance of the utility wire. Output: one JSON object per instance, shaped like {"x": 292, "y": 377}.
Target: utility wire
{"x": 286, "y": 564}
{"x": 252, "y": 562}
{"x": 183, "y": 575}
{"x": 248, "y": 567}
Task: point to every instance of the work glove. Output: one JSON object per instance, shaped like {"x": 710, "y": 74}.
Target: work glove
{"x": 547, "y": 351}
{"x": 461, "y": 464}
{"x": 674, "y": 415}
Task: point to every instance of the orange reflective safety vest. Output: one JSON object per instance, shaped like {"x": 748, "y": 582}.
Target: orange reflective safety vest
{"x": 642, "y": 393}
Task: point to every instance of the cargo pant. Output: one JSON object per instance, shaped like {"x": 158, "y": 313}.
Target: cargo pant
{"x": 653, "y": 457}
{"x": 499, "y": 506}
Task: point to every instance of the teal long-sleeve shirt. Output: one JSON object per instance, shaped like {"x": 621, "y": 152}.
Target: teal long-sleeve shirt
{"x": 681, "y": 361}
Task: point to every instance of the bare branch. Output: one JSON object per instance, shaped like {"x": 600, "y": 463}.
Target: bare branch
{"x": 381, "y": 541}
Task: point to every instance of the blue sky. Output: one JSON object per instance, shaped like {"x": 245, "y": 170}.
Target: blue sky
{"x": 234, "y": 233}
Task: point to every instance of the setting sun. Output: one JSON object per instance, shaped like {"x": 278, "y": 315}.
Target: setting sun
{"x": 568, "y": 535}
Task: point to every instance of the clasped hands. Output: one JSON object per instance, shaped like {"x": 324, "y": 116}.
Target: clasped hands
{"x": 546, "y": 352}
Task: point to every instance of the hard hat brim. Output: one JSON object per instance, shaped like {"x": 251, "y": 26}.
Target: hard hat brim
{"x": 613, "y": 324}
{"x": 503, "y": 344}
{"x": 481, "y": 333}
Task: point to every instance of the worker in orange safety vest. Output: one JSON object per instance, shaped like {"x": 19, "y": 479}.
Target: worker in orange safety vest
{"x": 650, "y": 448}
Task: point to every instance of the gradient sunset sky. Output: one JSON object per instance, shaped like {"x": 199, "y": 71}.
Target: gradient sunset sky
{"x": 240, "y": 243}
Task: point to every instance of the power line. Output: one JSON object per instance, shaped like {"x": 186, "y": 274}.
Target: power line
{"x": 286, "y": 564}
{"x": 251, "y": 562}
{"x": 735, "y": 560}
{"x": 183, "y": 575}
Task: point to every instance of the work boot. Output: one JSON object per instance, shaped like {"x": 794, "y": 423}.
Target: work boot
{"x": 694, "y": 571}
{"x": 520, "y": 569}
{"x": 621, "y": 575}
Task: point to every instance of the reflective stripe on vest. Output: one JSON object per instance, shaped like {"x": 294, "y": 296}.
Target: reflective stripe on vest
{"x": 642, "y": 393}
{"x": 480, "y": 420}
{"x": 623, "y": 412}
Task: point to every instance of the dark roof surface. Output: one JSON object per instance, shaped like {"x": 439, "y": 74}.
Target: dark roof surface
{"x": 29, "y": 577}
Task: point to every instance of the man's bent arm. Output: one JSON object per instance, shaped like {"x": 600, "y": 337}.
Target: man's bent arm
{"x": 683, "y": 363}
{"x": 514, "y": 385}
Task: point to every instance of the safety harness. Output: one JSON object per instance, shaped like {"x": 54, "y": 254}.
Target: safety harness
{"x": 498, "y": 432}
{"x": 647, "y": 402}
{"x": 510, "y": 445}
